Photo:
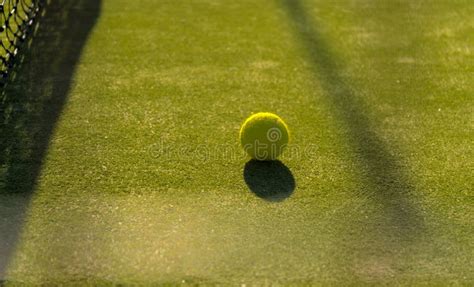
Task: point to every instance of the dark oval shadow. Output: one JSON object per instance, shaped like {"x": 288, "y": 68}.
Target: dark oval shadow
{"x": 270, "y": 180}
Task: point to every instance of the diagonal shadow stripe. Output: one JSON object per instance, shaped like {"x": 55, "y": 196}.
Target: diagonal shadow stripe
{"x": 388, "y": 185}
{"x": 30, "y": 106}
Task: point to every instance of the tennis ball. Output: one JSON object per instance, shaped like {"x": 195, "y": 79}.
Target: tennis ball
{"x": 264, "y": 136}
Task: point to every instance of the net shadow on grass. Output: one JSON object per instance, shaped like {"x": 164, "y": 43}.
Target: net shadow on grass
{"x": 387, "y": 183}
{"x": 269, "y": 180}
{"x": 30, "y": 106}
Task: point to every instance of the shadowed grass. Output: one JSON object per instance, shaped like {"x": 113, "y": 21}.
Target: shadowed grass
{"x": 270, "y": 180}
{"x": 109, "y": 208}
{"x": 31, "y": 105}
{"x": 388, "y": 183}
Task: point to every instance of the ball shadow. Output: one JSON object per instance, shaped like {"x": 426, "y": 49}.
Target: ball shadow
{"x": 269, "y": 180}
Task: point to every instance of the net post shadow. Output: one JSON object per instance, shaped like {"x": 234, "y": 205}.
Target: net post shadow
{"x": 387, "y": 183}
{"x": 31, "y": 104}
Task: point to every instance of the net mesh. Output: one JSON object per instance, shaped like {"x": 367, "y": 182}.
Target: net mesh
{"x": 16, "y": 23}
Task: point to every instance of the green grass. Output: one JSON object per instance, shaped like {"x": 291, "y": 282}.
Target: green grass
{"x": 120, "y": 159}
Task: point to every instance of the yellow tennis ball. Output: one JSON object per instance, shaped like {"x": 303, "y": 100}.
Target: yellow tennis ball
{"x": 264, "y": 136}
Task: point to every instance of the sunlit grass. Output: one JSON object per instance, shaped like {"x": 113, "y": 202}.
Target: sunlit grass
{"x": 126, "y": 193}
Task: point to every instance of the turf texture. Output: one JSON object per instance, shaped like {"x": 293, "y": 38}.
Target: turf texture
{"x": 120, "y": 159}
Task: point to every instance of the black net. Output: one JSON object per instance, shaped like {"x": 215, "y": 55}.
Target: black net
{"x": 16, "y": 24}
